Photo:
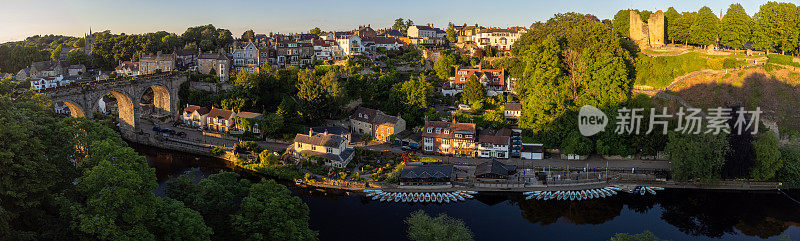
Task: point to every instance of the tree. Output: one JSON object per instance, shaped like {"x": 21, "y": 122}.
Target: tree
{"x": 424, "y": 227}
{"x": 114, "y": 199}
{"x": 269, "y": 212}
{"x": 473, "y": 90}
{"x": 402, "y": 25}
{"x": 671, "y": 16}
{"x": 444, "y": 65}
{"x": 696, "y": 156}
{"x": 55, "y": 54}
{"x": 315, "y": 31}
{"x": 644, "y": 236}
{"x": 789, "y": 174}
{"x": 77, "y": 56}
{"x": 735, "y": 27}
{"x": 248, "y": 35}
{"x": 681, "y": 30}
{"x": 775, "y": 27}
{"x": 416, "y": 91}
{"x": 216, "y": 198}
{"x": 645, "y": 15}
{"x": 451, "y": 34}
{"x": 37, "y": 164}
{"x": 705, "y": 29}
{"x": 622, "y": 22}
{"x": 578, "y": 144}
{"x": 768, "y": 157}
{"x": 366, "y": 138}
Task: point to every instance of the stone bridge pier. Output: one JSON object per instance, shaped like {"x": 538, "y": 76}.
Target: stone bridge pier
{"x": 82, "y": 98}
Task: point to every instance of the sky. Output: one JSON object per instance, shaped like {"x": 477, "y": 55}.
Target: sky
{"x": 22, "y": 18}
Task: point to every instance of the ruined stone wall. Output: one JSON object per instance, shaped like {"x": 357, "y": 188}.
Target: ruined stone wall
{"x": 638, "y": 31}
{"x": 655, "y": 26}
{"x": 650, "y": 34}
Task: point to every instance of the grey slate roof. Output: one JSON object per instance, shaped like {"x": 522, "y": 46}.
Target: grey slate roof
{"x": 494, "y": 166}
{"x": 427, "y": 171}
{"x": 320, "y": 139}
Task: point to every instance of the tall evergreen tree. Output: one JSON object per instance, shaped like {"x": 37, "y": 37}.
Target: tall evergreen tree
{"x": 735, "y": 27}
{"x": 682, "y": 27}
{"x": 775, "y": 27}
{"x": 705, "y": 28}
{"x": 671, "y": 16}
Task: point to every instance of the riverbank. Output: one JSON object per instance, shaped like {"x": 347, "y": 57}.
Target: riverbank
{"x": 176, "y": 144}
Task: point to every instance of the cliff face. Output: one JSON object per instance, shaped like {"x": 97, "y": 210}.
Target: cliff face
{"x": 650, "y": 34}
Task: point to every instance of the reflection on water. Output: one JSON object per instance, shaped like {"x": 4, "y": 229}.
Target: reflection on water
{"x": 672, "y": 214}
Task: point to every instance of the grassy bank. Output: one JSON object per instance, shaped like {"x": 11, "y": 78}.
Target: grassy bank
{"x": 661, "y": 71}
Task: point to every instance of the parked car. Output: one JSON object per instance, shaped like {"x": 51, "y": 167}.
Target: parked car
{"x": 156, "y": 128}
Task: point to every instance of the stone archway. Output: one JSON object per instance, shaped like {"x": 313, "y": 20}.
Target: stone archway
{"x": 125, "y": 110}
{"x": 161, "y": 98}
{"x": 74, "y": 110}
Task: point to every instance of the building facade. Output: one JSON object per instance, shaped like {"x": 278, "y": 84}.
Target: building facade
{"x": 449, "y": 138}
{"x": 152, "y": 63}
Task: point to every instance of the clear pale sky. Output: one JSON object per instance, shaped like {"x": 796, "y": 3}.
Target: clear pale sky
{"x": 23, "y": 18}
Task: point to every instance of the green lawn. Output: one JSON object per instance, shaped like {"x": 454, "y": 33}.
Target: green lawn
{"x": 782, "y": 59}
{"x": 661, "y": 71}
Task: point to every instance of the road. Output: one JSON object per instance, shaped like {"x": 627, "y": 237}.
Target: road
{"x": 595, "y": 162}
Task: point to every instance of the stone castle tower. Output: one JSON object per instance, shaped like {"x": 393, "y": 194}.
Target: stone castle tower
{"x": 650, "y": 34}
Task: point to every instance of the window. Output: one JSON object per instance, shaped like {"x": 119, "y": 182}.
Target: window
{"x": 438, "y": 130}
{"x": 313, "y": 148}
{"x": 446, "y": 131}
{"x": 430, "y": 129}
{"x": 329, "y": 150}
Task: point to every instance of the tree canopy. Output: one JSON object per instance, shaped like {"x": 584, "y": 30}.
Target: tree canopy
{"x": 705, "y": 28}
{"x": 423, "y": 227}
{"x": 735, "y": 27}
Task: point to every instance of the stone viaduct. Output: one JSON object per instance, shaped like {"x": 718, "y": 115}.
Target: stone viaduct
{"x": 82, "y": 98}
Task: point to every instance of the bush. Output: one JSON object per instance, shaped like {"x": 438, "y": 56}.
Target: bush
{"x": 216, "y": 151}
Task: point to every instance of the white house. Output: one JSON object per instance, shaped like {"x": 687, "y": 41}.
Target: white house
{"x": 350, "y": 45}
{"x": 512, "y": 110}
{"x": 532, "y": 151}
{"x": 194, "y": 115}
{"x": 246, "y": 58}
{"x": 49, "y": 82}
{"x": 500, "y": 39}
{"x": 331, "y": 148}
{"x": 493, "y": 143}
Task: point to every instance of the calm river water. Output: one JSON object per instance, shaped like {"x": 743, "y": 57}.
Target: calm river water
{"x": 672, "y": 214}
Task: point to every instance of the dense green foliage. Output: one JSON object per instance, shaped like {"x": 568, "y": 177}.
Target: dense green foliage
{"x": 735, "y": 27}
{"x": 20, "y": 54}
{"x": 644, "y": 236}
{"x": 789, "y": 174}
{"x": 473, "y": 91}
{"x": 570, "y": 61}
{"x": 660, "y": 72}
{"x": 88, "y": 187}
{"x": 696, "y": 156}
{"x": 238, "y": 210}
{"x": 705, "y": 28}
{"x": 768, "y": 157}
{"x": 776, "y": 28}
{"x": 422, "y": 227}
{"x": 671, "y": 16}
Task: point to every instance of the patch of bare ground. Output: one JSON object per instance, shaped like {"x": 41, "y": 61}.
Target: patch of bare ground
{"x": 774, "y": 89}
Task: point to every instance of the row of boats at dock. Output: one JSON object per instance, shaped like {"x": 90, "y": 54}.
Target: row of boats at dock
{"x": 427, "y": 197}
{"x": 587, "y": 194}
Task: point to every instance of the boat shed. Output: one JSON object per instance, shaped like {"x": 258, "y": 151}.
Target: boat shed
{"x": 494, "y": 169}
{"x": 431, "y": 174}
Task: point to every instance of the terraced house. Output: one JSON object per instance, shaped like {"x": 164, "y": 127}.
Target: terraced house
{"x": 376, "y": 123}
{"x": 449, "y": 138}
{"x": 220, "y": 119}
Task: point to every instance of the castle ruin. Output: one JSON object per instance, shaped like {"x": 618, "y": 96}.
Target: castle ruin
{"x": 650, "y": 34}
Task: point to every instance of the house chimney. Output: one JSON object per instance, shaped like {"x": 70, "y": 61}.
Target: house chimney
{"x": 310, "y": 131}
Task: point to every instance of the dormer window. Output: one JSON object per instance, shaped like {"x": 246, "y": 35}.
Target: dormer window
{"x": 446, "y": 131}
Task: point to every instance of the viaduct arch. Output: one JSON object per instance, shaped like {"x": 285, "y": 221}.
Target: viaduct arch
{"x": 82, "y": 98}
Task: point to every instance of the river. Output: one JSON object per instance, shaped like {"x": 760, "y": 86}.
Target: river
{"x": 672, "y": 214}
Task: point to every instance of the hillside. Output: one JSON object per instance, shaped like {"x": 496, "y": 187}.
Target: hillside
{"x": 775, "y": 89}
